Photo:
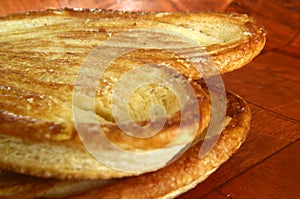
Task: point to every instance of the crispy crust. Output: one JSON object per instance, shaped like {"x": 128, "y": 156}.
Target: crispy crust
{"x": 66, "y": 160}
{"x": 169, "y": 182}
{"x": 189, "y": 169}
{"x": 236, "y": 41}
{"x": 46, "y": 49}
{"x": 227, "y": 55}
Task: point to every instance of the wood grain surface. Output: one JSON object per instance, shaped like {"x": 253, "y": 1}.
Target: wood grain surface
{"x": 268, "y": 164}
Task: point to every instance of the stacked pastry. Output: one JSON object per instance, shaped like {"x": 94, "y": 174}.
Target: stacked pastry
{"x": 78, "y": 89}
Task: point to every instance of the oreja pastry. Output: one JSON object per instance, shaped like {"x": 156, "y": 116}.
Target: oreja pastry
{"x": 54, "y": 100}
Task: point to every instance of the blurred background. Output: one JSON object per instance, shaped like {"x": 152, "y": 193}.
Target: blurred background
{"x": 130, "y": 5}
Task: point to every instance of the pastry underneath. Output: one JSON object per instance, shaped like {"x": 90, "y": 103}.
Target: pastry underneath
{"x": 171, "y": 181}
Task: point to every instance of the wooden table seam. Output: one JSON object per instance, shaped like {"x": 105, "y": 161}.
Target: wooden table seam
{"x": 276, "y": 49}
{"x": 296, "y": 121}
{"x": 219, "y": 187}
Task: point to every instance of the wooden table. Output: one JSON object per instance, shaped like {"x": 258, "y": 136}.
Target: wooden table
{"x": 268, "y": 164}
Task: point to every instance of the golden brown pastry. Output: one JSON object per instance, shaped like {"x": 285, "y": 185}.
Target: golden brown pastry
{"x": 169, "y": 182}
{"x": 64, "y": 72}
